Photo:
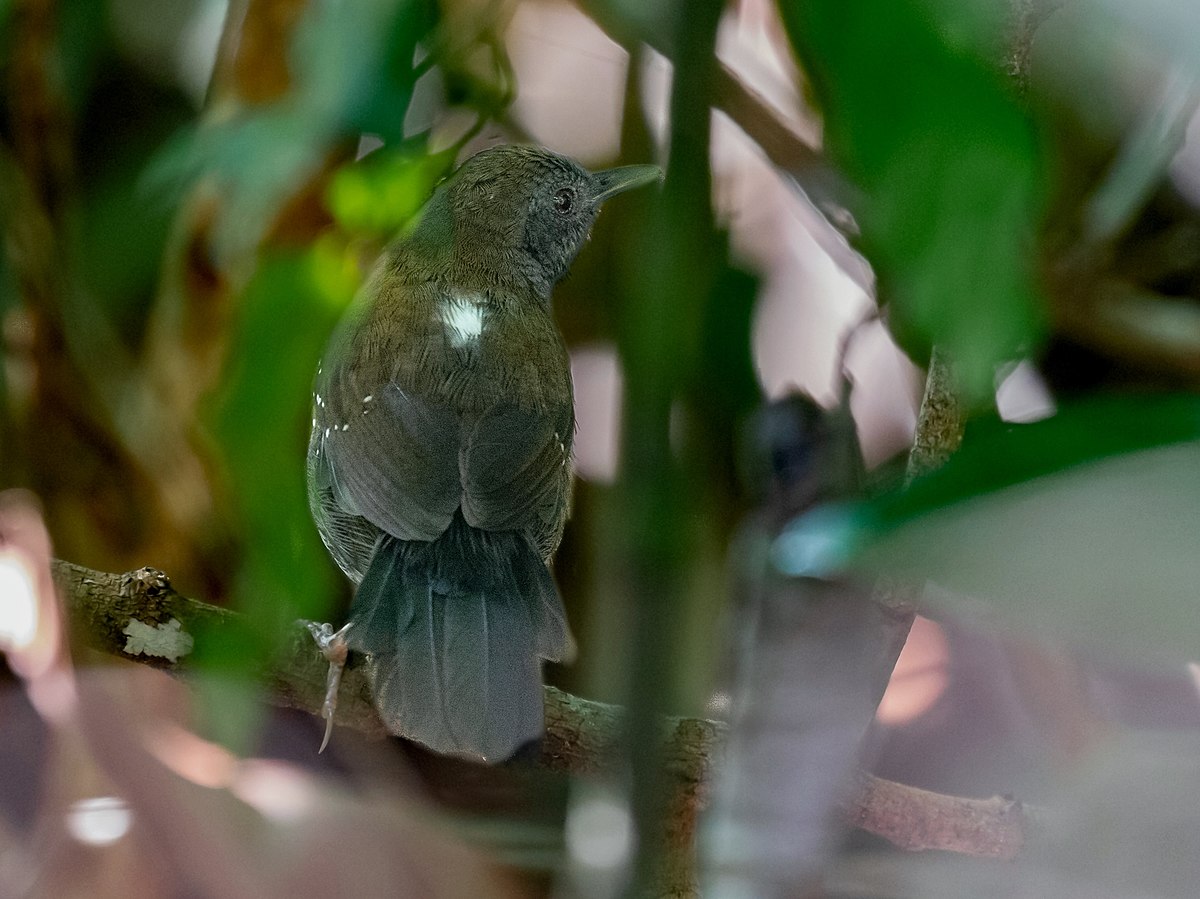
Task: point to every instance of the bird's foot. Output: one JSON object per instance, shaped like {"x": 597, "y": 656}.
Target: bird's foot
{"x": 334, "y": 647}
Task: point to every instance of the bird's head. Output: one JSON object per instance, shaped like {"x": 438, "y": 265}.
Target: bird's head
{"x": 532, "y": 207}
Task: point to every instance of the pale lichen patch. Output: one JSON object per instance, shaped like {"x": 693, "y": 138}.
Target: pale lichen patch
{"x": 167, "y": 641}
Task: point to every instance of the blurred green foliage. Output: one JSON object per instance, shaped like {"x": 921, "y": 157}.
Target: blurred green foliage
{"x": 921, "y": 120}
{"x": 89, "y": 50}
{"x": 262, "y": 410}
{"x": 1082, "y": 525}
{"x": 996, "y": 454}
{"x": 286, "y": 313}
{"x": 353, "y": 72}
{"x": 356, "y": 63}
{"x": 384, "y": 191}
{"x": 122, "y": 227}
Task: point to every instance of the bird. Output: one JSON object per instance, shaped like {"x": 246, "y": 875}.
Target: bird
{"x": 439, "y": 462}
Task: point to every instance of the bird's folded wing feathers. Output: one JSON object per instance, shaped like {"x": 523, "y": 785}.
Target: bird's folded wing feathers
{"x": 392, "y": 456}
{"x": 515, "y": 472}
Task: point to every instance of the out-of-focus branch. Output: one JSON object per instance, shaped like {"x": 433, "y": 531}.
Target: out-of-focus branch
{"x": 916, "y": 819}
{"x": 1025, "y": 16}
{"x": 751, "y": 112}
{"x": 940, "y": 420}
{"x": 139, "y": 616}
{"x": 938, "y": 434}
{"x": 1129, "y": 321}
{"x": 754, "y": 114}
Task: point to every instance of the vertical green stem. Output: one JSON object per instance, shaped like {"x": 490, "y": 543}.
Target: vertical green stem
{"x": 670, "y": 281}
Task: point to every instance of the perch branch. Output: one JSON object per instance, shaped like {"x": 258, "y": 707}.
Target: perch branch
{"x": 134, "y": 615}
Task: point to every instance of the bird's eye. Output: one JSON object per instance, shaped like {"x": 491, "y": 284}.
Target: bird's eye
{"x": 564, "y": 200}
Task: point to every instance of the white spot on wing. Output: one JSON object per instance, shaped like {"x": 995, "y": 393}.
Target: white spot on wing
{"x": 462, "y": 316}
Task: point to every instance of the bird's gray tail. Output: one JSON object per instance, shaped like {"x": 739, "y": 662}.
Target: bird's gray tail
{"x": 453, "y": 631}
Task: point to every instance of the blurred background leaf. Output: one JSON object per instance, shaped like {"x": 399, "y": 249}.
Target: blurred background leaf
{"x": 384, "y": 191}
{"x": 352, "y": 72}
{"x": 1002, "y": 454}
{"x": 284, "y": 574}
{"x": 950, "y": 161}
{"x": 1082, "y": 526}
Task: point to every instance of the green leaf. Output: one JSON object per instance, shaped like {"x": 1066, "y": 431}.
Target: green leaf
{"x": 1086, "y": 525}
{"x": 996, "y": 455}
{"x": 383, "y": 192}
{"x": 353, "y": 72}
{"x": 261, "y": 423}
{"x": 950, "y": 164}
{"x": 354, "y": 62}
{"x": 259, "y": 159}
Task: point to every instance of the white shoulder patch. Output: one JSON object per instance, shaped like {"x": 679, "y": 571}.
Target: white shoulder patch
{"x": 462, "y": 315}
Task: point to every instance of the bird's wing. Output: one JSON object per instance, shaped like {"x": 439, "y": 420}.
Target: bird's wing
{"x": 349, "y": 538}
{"x": 515, "y": 471}
{"x": 391, "y": 453}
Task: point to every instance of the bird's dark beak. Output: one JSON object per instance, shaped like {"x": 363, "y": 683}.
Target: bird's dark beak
{"x": 614, "y": 181}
